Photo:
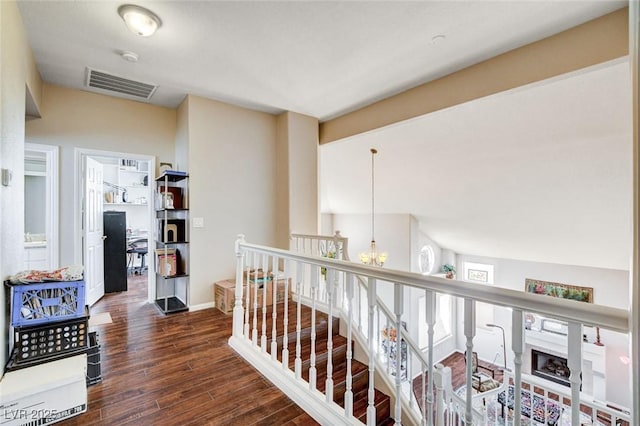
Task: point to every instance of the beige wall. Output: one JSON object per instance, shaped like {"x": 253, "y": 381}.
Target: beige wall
{"x": 282, "y": 181}
{"x": 17, "y": 69}
{"x": 304, "y": 203}
{"x": 182, "y": 137}
{"x": 77, "y": 119}
{"x": 297, "y": 176}
{"x": 232, "y": 178}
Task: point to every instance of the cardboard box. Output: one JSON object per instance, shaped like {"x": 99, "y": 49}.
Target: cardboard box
{"x": 224, "y": 295}
{"x": 45, "y": 393}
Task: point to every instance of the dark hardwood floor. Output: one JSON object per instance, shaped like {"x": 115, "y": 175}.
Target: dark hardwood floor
{"x": 176, "y": 370}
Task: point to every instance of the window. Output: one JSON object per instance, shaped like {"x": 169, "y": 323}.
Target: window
{"x": 444, "y": 320}
{"x": 426, "y": 259}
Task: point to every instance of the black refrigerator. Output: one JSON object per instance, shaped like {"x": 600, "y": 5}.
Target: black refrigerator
{"x": 115, "y": 251}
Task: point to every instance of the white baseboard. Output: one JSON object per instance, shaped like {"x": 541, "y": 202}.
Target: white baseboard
{"x": 201, "y": 306}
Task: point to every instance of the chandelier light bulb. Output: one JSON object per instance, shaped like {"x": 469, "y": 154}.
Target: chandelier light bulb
{"x": 372, "y": 257}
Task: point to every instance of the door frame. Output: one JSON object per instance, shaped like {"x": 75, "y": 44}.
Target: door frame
{"x": 52, "y": 226}
{"x": 78, "y": 207}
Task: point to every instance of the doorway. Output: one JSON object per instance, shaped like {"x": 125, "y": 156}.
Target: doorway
{"x": 126, "y": 187}
{"x": 41, "y": 207}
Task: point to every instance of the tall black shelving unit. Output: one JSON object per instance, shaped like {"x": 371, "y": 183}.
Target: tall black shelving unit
{"x": 172, "y": 242}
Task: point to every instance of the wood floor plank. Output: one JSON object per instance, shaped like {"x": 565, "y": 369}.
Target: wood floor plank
{"x": 176, "y": 370}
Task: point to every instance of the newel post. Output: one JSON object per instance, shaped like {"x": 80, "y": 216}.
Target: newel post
{"x": 238, "y": 312}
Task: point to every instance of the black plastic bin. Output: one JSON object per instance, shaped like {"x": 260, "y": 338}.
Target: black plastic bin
{"x": 94, "y": 374}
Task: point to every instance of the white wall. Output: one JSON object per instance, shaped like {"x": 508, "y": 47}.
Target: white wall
{"x": 232, "y": 170}
{"x": 608, "y": 285}
{"x": 77, "y": 119}
{"x": 17, "y": 73}
{"x": 392, "y": 234}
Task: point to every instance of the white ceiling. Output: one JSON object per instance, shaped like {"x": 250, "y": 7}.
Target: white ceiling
{"x": 313, "y": 57}
{"x": 542, "y": 173}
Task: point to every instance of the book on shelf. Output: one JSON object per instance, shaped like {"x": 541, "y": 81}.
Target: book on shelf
{"x": 165, "y": 250}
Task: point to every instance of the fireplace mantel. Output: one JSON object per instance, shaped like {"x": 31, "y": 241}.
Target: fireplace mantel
{"x": 593, "y": 359}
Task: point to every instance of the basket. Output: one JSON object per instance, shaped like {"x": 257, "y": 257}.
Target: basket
{"x": 52, "y": 340}
{"x": 45, "y": 302}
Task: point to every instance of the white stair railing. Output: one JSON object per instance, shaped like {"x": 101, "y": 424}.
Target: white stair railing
{"x": 347, "y": 288}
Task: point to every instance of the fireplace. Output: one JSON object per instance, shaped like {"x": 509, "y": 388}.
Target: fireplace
{"x": 550, "y": 367}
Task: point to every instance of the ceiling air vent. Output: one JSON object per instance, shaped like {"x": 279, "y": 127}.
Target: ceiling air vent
{"x": 123, "y": 86}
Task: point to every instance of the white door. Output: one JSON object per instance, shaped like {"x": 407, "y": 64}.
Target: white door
{"x": 93, "y": 232}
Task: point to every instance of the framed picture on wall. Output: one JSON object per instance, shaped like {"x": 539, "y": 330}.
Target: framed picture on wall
{"x": 563, "y": 291}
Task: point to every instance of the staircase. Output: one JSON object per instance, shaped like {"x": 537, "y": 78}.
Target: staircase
{"x": 359, "y": 371}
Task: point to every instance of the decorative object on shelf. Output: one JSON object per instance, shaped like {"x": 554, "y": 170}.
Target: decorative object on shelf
{"x": 167, "y": 200}
{"x": 563, "y": 291}
{"x": 390, "y": 349}
{"x": 119, "y": 188}
{"x": 449, "y": 270}
{"x": 529, "y": 320}
{"x": 164, "y": 167}
{"x": 373, "y": 257}
{"x": 598, "y": 342}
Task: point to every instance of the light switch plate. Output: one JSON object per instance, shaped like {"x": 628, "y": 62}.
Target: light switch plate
{"x": 6, "y": 177}
{"x": 198, "y": 222}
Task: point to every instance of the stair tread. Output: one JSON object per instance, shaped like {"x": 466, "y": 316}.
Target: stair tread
{"x": 359, "y": 371}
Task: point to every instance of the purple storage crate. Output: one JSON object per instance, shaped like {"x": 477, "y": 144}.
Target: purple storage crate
{"x": 40, "y": 303}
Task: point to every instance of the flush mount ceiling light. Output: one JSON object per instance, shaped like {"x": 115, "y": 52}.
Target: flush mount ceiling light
{"x": 139, "y": 20}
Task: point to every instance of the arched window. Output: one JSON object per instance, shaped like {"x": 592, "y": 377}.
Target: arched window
{"x": 426, "y": 259}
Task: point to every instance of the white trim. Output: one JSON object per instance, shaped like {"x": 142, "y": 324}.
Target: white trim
{"x": 201, "y": 306}
{"x": 78, "y": 191}
{"x": 313, "y": 402}
{"x": 52, "y": 210}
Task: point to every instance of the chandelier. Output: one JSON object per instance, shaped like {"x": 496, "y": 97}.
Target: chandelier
{"x": 372, "y": 257}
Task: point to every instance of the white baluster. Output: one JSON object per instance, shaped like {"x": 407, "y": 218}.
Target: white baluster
{"x": 430, "y": 312}
{"x": 254, "y": 335}
{"x": 424, "y": 393}
{"x": 517, "y": 345}
{"x": 469, "y": 332}
{"x": 348, "y": 395}
{"x": 285, "y": 326}
{"x": 371, "y": 408}
{"x": 574, "y": 362}
{"x": 298, "y": 361}
{"x": 274, "y": 310}
{"x": 315, "y": 273}
{"x": 247, "y": 311}
{"x": 329, "y": 381}
{"x": 359, "y": 305}
{"x": 263, "y": 337}
{"x": 387, "y": 341}
{"x": 398, "y": 310}
{"x": 439, "y": 380}
{"x": 238, "y": 312}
